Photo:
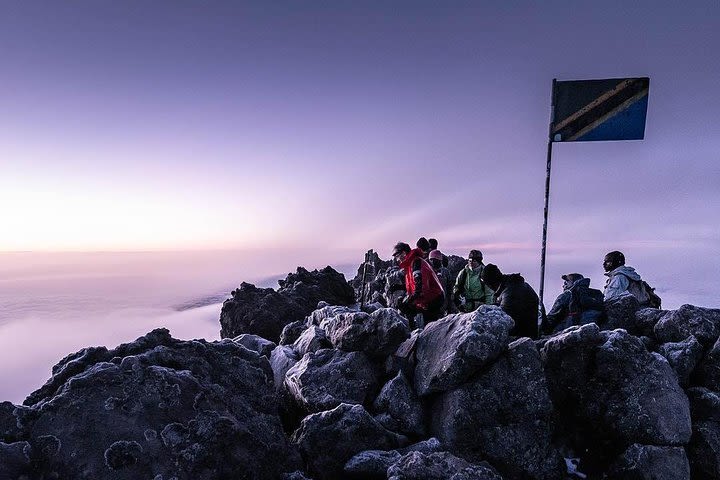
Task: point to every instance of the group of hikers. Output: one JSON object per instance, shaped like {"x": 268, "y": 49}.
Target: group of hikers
{"x": 431, "y": 292}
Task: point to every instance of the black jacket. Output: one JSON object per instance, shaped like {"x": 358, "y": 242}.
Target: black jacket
{"x": 519, "y": 300}
{"x": 578, "y": 305}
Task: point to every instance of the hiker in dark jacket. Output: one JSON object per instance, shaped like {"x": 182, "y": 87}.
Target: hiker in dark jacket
{"x": 436, "y": 261}
{"x": 424, "y": 245}
{"x": 445, "y": 260}
{"x": 577, "y": 305}
{"x": 425, "y": 295}
{"x": 516, "y": 298}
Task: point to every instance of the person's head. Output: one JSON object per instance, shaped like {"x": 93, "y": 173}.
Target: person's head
{"x": 492, "y": 276}
{"x": 423, "y": 244}
{"x": 474, "y": 258}
{"x": 435, "y": 258}
{"x": 613, "y": 260}
{"x": 433, "y": 243}
{"x": 400, "y": 251}
{"x": 569, "y": 279}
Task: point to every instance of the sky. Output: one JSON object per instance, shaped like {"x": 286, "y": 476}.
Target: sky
{"x": 339, "y": 126}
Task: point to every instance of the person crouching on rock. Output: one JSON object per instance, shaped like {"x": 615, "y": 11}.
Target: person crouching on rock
{"x": 577, "y": 305}
{"x": 516, "y": 298}
{"x": 424, "y": 294}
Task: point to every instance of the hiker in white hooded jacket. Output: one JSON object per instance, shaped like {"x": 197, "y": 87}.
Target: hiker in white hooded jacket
{"x": 619, "y": 275}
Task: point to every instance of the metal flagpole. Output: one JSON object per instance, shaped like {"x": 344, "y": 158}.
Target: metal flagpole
{"x": 547, "y": 199}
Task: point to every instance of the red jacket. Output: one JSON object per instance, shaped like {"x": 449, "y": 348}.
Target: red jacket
{"x": 431, "y": 287}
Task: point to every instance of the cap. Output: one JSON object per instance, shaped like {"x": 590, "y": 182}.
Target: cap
{"x": 572, "y": 277}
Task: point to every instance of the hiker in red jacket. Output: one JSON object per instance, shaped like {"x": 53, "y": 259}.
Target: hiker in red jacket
{"x": 425, "y": 295}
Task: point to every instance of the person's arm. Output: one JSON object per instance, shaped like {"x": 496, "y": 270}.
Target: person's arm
{"x": 618, "y": 284}
{"x": 557, "y": 312}
{"x": 417, "y": 278}
{"x": 488, "y": 295}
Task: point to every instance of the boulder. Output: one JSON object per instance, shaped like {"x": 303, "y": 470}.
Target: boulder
{"x": 327, "y": 311}
{"x": 677, "y": 325}
{"x": 265, "y": 312}
{"x": 296, "y": 475}
{"x": 311, "y": 340}
{"x": 645, "y": 321}
{"x": 403, "y": 359}
{"x": 373, "y": 464}
{"x": 399, "y": 408}
{"x": 377, "y": 334}
{"x": 704, "y": 448}
{"x": 160, "y": 406}
{"x": 292, "y": 332}
{"x": 620, "y": 312}
{"x": 439, "y": 466}
{"x": 14, "y": 460}
{"x": 327, "y": 440}
{"x": 324, "y": 379}
{"x": 612, "y": 392}
{"x": 255, "y": 343}
{"x": 448, "y": 351}
{"x": 394, "y": 286}
{"x": 282, "y": 359}
{"x": 648, "y": 462}
{"x": 708, "y": 372}
{"x": 503, "y": 414}
{"x": 682, "y": 357}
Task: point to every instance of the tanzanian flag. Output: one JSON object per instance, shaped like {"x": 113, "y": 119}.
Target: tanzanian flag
{"x": 591, "y": 110}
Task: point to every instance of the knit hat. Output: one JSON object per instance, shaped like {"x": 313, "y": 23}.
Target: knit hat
{"x": 437, "y": 254}
{"x": 572, "y": 277}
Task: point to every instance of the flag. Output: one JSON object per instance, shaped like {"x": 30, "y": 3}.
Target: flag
{"x": 592, "y": 110}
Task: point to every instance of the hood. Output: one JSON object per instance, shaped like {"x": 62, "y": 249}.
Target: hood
{"x": 514, "y": 278}
{"x": 624, "y": 270}
{"x": 580, "y": 283}
{"x": 414, "y": 253}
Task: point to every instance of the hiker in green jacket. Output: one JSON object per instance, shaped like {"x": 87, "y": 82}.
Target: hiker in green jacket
{"x": 470, "y": 287}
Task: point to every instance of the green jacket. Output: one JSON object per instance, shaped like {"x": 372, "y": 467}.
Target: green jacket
{"x": 469, "y": 285}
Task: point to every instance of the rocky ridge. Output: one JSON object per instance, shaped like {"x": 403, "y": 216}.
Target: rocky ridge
{"x": 307, "y": 386}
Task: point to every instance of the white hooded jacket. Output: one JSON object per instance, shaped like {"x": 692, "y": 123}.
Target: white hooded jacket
{"x": 619, "y": 280}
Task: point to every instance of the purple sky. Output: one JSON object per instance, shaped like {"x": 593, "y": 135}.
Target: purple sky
{"x": 348, "y": 125}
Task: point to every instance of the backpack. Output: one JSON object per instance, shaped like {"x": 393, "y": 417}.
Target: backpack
{"x": 644, "y": 293}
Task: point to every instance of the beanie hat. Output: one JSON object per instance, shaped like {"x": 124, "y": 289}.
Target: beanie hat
{"x": 437, "y": 254}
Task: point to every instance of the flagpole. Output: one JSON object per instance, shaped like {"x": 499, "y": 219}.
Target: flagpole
{"x": 547, "y": 200}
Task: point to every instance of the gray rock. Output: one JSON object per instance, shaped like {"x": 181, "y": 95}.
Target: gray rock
{"x": 645, "y": 321}
{"x": 403, "y": 359}
{"x": 439, "y": 466}
{"x": 404, "y": 413}
{"x": 297, "y": 475}
{"x": 708, "y": 372}
{"x": 450, "y": 350}
{"x": 282, "y": 359}
{"x": 612, "y": 392}
{"x": 373, "y": 464}
{"x": 327, "y": 440}
{"x": 648, "y": 462}
{"x": 704, "y": 448}
{"x": 292, "y": 332}
{"x": 502, "y": 415}
{"x": 325, "y": 379}
{"x": 677, "y": 325}
{"x": 682, "y": 357}
{"x": 311, "y": 340}
{"x": 378, "y": 334}
{"x": 620, "y": 313}
{"x": 255, "y": 343}
{"x": 14, "y": 460}
{"x": 160, "y": 406}
{"x": 265, "y": 312}
{"x": 329, "y": 311}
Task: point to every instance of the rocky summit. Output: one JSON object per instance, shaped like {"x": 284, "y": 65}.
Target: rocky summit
{"x": 307, "y": 385}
